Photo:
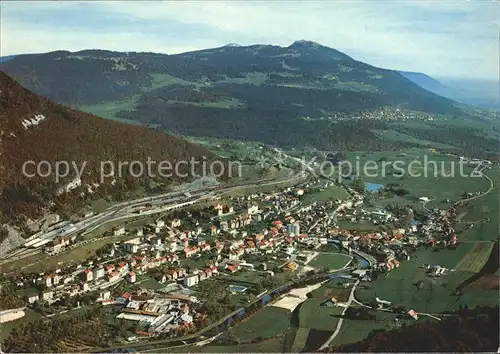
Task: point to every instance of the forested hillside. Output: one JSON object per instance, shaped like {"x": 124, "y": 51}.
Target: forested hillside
{"x": 65, "y": 134}
{"x": 466, "y": 331}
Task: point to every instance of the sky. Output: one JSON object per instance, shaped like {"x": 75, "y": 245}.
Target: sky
{"x": 438, "y": 37}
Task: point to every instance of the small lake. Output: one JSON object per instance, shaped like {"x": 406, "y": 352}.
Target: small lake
{"x": 373, "y": 187}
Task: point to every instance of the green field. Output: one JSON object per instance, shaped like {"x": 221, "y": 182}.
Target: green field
{"x": 395, "y": 135}
{"x": 109, "y": 110}
{"x": 251, "y": 78}
{"x": 23, "y": 262}
{"x": 314, "y": 316}
{"x": 328, "y": 194}
{"x": 330, "y": 260}
{"x": 248, "y": 278}
{"x": 269, "y": 322}
{"x": 362, "y": 225}
{"x": 355, "y": 330}
{"x": 399, "y": 288}
{"x": 149, "y": 283}
{"x": 44, "y": 263}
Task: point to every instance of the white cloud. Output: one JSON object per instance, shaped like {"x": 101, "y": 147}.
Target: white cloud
{"x": 438, "y": 38}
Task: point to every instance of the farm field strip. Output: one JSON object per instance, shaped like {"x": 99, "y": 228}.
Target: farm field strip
{"x": 300, "y": 340}
{"x": 476, "y": 259}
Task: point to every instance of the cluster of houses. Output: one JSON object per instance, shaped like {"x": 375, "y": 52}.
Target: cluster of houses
{"x": 165, "y": 244}
{"x": 438, "y": 230}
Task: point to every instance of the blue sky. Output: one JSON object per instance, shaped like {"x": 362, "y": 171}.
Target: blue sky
{"x": 440, "y": 38}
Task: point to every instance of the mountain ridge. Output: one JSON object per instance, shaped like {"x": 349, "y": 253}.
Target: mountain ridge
{"x": 303, "y": 95}
{"x": 468, "y": 96}
{"x": 270, "y": 54}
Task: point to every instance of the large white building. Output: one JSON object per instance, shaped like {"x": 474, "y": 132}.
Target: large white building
{"x": 191, "y": 280}
{"x": 293, "y": 229}
{"x": 99, "y": 273}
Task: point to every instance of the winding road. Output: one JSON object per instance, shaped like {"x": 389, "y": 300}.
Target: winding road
{"x": 341, "y": 320}
{"x": 492, "y": 185}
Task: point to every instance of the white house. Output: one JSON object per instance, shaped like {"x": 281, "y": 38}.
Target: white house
{"x": 131, "y": 277}
{"x": 119, "y": 231}
{"x": 253, "y": 209}
{"x": 32, "y": 298}
{"x": 99, "y": 272}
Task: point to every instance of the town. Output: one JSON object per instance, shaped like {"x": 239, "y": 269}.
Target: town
{"x": 249, "y": 244}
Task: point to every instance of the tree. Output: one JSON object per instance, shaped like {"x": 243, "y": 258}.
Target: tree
{"x": 358, "y": 185}
{"x": 86, "y": 300}
{"x": 4, "y": 233}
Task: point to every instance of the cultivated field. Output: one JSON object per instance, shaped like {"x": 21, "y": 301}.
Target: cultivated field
{"x": 488, "y": 282}
{"x": 476, "y": 259}
{"x": 268, "y": 322}
{"x": 300, "y": 340}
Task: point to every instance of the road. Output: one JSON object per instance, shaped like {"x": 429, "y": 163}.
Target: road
{"x": 492, "y": 185}
{"x": 341, "y": 320}
{"x": 424, "y": 204}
